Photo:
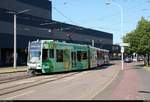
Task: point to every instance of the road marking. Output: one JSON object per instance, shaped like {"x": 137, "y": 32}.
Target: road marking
{"x": 29, "y": 92}
{"x": 127, "y": 97}
{"x": 18, "y": 82}
{"x": 25, "y": 81}
{"x": 107, "y": 83}
{"x": 71, "y": 77}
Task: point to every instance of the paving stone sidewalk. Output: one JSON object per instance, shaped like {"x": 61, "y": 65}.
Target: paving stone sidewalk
{"x": 4, "y": 70}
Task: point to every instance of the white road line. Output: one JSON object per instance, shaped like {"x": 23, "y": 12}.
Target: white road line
{"x": 25, "y": 81}
{"x": 71, "y": 77}
{"x": 16, "y": 96}
{"x": 127, "y": 97}
{"x": 106, "y": 84}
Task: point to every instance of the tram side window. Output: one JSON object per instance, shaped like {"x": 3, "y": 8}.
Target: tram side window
{"x": 98, "y": 55}
{"x": 51, "y": 53}
{"x": 45, "y": 54}
{"x": 79, "y": 55}
{"x": 103, "y": 55}
{"x": 59, "y": 55}
{"x": 84, "y": 55}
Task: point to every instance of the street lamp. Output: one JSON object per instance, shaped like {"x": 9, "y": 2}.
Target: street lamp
{"x": 121, "y": 19}
{"x": 15, "y": 15}
{"x": 93, "y": 43}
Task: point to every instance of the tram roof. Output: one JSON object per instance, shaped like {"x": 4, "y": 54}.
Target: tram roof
{"x": 63, "y": 42}
{"x": 73, "y": 44}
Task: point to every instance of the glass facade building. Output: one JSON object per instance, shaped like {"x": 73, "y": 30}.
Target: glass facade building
{"x": 29, "y": 28}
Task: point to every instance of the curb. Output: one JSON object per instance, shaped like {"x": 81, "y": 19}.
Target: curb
{"x": 108, "y": 82}
{"x": 146, "y": 68}
{"x": 10, "y": 70}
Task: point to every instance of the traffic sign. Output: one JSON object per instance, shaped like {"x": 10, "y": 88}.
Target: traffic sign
{"x": 125, "y": 44}
{"x": 122, "y": 49}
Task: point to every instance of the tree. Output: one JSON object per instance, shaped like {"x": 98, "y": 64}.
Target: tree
{"x": 139, "y": 39}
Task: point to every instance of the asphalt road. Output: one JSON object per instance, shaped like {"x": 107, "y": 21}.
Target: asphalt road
{"x": 130, "y": 84}
{"x": 81, "y": 86}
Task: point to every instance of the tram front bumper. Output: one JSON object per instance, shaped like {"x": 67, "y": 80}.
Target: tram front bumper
{"x": 34, "y": 66}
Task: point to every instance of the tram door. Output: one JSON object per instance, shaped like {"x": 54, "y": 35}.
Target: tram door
{"x": 74, "y": 58}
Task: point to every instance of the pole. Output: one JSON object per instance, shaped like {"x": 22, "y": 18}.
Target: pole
{"x": 121, "y": 29}
{"x": 121, "y": 9}
{"x": 122, "y": 61}
{"x": 93, "y": 43}
{"x": 14, "y": 40}
{"x": 121, "y": 19}
{"x": 122, "y": 51}
{"x": 15, "y": 35}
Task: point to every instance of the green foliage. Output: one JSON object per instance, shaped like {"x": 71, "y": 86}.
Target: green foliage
{"x": 139, "y": 38}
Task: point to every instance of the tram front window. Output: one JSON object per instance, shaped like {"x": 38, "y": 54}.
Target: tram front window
{"x": 35, "y": 55}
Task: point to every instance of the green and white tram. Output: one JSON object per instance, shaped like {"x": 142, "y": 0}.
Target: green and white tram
{"x": 48, "y": 56}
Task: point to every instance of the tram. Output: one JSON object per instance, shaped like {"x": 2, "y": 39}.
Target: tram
{"x": 48, "y": 56}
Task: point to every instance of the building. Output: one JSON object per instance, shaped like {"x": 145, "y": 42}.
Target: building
{"x": 32, "y": 26}
{"x": 28, "y": 26}
{"x": 115, "y": 52}
{"x": 81, "y": 35}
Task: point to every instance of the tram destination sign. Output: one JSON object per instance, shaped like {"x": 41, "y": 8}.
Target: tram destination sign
{"x": 35, "y": 46}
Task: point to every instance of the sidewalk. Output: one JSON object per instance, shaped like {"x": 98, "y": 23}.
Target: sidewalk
{"x": 147, "y": 68}
{"x": 108, "y": 76}
{"x": 128, "y": 88}
{"x": 4, "y": 70}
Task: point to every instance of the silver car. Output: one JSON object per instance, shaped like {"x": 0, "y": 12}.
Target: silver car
{"x": 128, "y": 59}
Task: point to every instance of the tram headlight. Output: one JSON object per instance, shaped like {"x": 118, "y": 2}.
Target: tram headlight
{"x": 38, "y": 65}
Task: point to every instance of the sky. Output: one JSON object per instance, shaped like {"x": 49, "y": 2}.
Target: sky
{"x": 95, "y": 14}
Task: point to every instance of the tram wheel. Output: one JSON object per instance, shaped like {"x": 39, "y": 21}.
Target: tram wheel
{"x": 31, "y": 73}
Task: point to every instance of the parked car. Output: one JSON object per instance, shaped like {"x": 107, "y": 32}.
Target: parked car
{"x": 128, "y": 59}
{"x": 140, "y": 58}
{"x": 135, "y": 59}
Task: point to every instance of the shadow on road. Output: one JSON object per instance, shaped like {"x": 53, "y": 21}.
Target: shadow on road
{"x": 140, "y": 65}
{"x": 102, "y": 67}
{"x": 138, "y": 68}
{"x": 144, "y": 91}
{"x": 133, "y": 68}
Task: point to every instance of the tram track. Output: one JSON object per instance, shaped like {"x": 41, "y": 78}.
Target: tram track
{"x": 33, "y": 82}
{"x": 19, "y": 77}
{"x": 11, "y": 79}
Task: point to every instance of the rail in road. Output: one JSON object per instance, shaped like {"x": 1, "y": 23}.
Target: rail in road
{"x": 13, "y": 78}
{"x": 14, "y": 86}
{"x": 24, "y": 83}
